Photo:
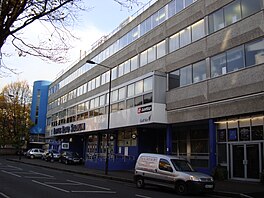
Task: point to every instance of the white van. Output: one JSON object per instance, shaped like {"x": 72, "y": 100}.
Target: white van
{"x": 170, "y": 171}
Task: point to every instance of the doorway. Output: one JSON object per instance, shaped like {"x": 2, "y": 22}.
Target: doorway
{"x": 246, "y": 161}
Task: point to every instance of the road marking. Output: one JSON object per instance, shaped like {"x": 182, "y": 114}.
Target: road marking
{"x": 15, "y": 167}
{"x": 143, "y": 196}
{"x": 36, "y": 177}
{"x": 41, "y": 174}
{"x": 11, "y": 173}
{"x": 85, "y": 191}
{"x": 43, "y": 184}
{"x": 89, "y": 185}
{"x": 57, "y": 183}
{"x": 4, "y": 195}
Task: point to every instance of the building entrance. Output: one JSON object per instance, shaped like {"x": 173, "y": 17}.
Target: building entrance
{"x": 246, "y": 161}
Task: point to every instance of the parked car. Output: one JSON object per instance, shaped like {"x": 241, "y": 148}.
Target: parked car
{"x": 35, "y": 153}
{"x": 51, "y": 155}
{"x": 170, "y": 171}
{"x": 69, "y": 157}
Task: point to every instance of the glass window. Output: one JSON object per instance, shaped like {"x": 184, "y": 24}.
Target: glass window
{"x": 148, "y": 24}
{"x": 138, "y": 100}
{"x": 162, "y": 15}
{"x": 107, "y": 76}
{"x": 188, "y": 2}
{"x": 232, "y": 13}
{"x": 216, "y": 21}
{"x": 130, "y": 103}
{"x": 97, "y": 81}
{"x": 185, "y": 37}
{"x": 144, "y": 58}
{"x": 161, "y": 49}
{"x": 121, "y": 93}
{"x": 250, "y": 7}
{"x": 114, "y": 73}
{"x": 93, "y": 84}
{"x": 186, "y": 75}
{"x": 114, "y": 107}
{"x": 165, "y": 165}
{"x": 130, "y": 90}
{"x": 235, "y": 59}
{"x": 139, "y": 87}
{"x": 218, "y": 65}
{"x": 114, "y": 95}
{"x": 151, "y": 54}
{"x": 103, "y": 78}
{"x": 121, "y": 70}
{"x": 254, "y": 52}
{"x": 96, "y": 102}
{"x": 127, "y": 67}
{"x": 134, "y": 33}
{"x": 147, "y": 98}
{"x": 257, "y": 132}
{"x": 134, "y": 63}
{"x": 121, "y": 105}
{"x": 147, "y": 84}
{"x": 199, "y": 71}
{"x": 198, "y": 30}
{"x": 174, "y": 42}
{"x": 92, "y": 104}
{"x": 179, "y": 5}
{"x": 102, "y": 100}
{"x": 174, "y": 79}
{"x": 155, "y": 19}
{"x": 142, "y": 28}
{"x": 171, "y": 8}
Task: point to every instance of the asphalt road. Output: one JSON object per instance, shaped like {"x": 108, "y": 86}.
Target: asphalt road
{"x": 19, "y": 180}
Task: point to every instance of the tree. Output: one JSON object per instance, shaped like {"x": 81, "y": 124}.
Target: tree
{"x": 15, "y": 114}
{"x": 16, "y": 15}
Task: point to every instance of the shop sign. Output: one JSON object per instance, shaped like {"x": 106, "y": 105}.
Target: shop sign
{"x": 68, "y": 129}
{"x": 144, "y": 109}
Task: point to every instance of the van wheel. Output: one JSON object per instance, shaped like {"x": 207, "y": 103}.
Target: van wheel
{"x": 181, "y": 188}
{"x": 140, "y": 182}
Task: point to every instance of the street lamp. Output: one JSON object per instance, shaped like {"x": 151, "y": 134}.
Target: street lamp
{"x": 108, "y": 112}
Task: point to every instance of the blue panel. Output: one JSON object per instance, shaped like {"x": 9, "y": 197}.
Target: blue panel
{"x": 212, "y": 144}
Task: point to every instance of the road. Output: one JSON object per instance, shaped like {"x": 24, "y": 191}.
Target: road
{"x": 19, "y": 180}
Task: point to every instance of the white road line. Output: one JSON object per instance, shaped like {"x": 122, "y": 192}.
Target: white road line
{"x": 143, "y": 196}
{"x": 4, "y": 195}
{"x": 15, "y": 167}
{"x": 36, "y": 177}
{"x": 41, "y": 174}
{"x": 57, "y": 183}
{"x": 89, "y": 185}
{"x": 85, "y": 191}
{"x": 11, "y": 173}
{"x": 43, "y": 184}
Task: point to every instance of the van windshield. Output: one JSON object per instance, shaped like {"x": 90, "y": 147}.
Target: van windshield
{"x": 182, "y": 165}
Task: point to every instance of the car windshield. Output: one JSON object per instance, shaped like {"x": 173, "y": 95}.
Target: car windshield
{"x": 182, "y": 165}
{"x": 73, "y": 154}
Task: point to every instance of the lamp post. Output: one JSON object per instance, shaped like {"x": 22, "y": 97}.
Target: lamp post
{"x": 108, "y": 112}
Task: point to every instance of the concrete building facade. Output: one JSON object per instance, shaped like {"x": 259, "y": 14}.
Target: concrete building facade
{"x": 187, "y": 79}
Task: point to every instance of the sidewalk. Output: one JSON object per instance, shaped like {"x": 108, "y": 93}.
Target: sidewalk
{"x": 223, "y": 188}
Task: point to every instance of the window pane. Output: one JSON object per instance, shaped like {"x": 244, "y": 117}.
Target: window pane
{"x": 121, "y": 93}
{"x": 188, "y": 2}
{"x": 218, "y": 65}
{"x": 171, "y": 8}
{"x": 161, "y": 49}
{"x": 114, "y": 96}
{"x": 121, "y": 105}
{"x": 127, "y": 67}
{"x": 144, "y": 58}
{"x": 148, "y": 24}
{"x": 198, "y": 30}
{"x": 216, "y": 21}
{"x": 199, "y": 71}
{"x": 151, "y": 54}
{"x": 121, "y": 70}
{"x": 250, "y": 7}
{"x": 143, "y": 28}
{"x": 174, "y": 43}
{"x": 114, "y": 73}
{"x": 235, "y": 59}
{"x": 130, "y": 103}
{"x": 102, "y": 100}
{"x": 138, "y": 101}
{"x": 179, "y": 5}
{"x": 162, "y": 15}
{"x": 134, "y": 63}
{"x": 185, "y": 37}
{"x": 92, "y": 104}
{"x": 186, "y": 75}
{"x": 139, "y": 87}
{"x": 174, "y": 79}
{"x": 147, "y": 98}
{"x": 155, "y": 19}
{"x": 114, "y": 107}
{"x": 148, "y": 84}
{"x": 97, "y": 81}
{"x": 255, "y": 52}
{"x": 96, "y": 102}
{"x": 130, "y": 90}
{"x": 232, "y": 13}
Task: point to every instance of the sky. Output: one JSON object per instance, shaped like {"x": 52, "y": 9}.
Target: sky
{"x": 101, "y": 18}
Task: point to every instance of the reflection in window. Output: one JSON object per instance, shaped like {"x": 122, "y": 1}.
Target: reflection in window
{"x": 218, "y": 65}
{"x": 174, "y": 42}
{"x": 130, "y": 103}
{"x": 232, "y": 13}
{"x": 121, "y": 105}
{"x": 174, "y": 79}
{"x": 186, "y": 75}
{"x": 255, "y": 52}
{"x": 138, "y": 101}
{"x": 171, "y": 8}
{"x": 161, "y": 49}
{"x": 179, "y": 5}
{"x": 185, "y": 37}
{"x": 250, "y": 7}
{"x": 114, "y": 95}
{"x": 121, "y": 70}
{"x": 114, "y": 107}
{"x": 127, "y": 67}
{"x": 216, "y": 21}
{"x": 147, "y": 98}
{"x": 114, "y": 73}
{"x": 199, "y": 71}
{"x": 144, "y": 58}
{"x": 235, "y": 59}
{"x": 151, "y": 54}
{"x": 198, "y": 30}
{"x": 122, "y": 93}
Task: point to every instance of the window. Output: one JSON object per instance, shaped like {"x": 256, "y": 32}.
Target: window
{"x": 199, "y": 71}
{"x": 250, "y": 7}
{"x": 185, "y": 37}
{"x": 179, "y": 5}
{"x": 121, "y": 70}
{"x": 114, "y": 73}
{"x": 174, "y": 42}
{"x": 122, "y": 93}
{"x": 130, "y": 90}
{"x": 97, "y": 81}
{"x": 188, "y": 2}
{"x": 96, "y": 102}
{"x": 114, "y": 95}
{"x": 254, "y": 52}
{"x": 93, "y": 84}
{"x": 144, "y": 58}
{"x": 151, "y": 54}
{"x": 174, "y": 79}
{"x": 186, "y": 75}
{"x": 147, "y": 84}
{"x": 127, "y": 67}
{"x": 114, "y": 107}
{"x": 121, "y": 105}
{"x": 232, "y": 13}
{"x": 92, "y": 104}
{"x": 216, "y": 21}
{"x": 171, "y": 8}
{"x": 165, "y": 165}
{"x": 102, "y": 100}
{"x": 138, "y": 101}
{"x": 198, "y": 30}
{"x": 134, "y": 63}
{"x": 130, "y": 103}
{"x": 161, "y": 49}
{"x": 218, "y": 65}
{"x": 235, "y": 59}
{"x": 139, "y": 87}
{"x": 155, "y": 19}
{"x": 147, "y": 98}
{"x": 148, "y": 24}
{"x": 162, "y": 15}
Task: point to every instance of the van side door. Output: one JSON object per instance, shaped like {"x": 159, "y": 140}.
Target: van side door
{"x": 165, "y": 171}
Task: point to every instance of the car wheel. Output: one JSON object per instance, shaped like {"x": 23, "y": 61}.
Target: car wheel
{"x": 181, "y": 188}
{"x": 140, "y": 182}
{"x": 32, "y": 156}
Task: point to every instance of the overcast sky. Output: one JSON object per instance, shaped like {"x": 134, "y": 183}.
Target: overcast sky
{"x": 102, "y": 19}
